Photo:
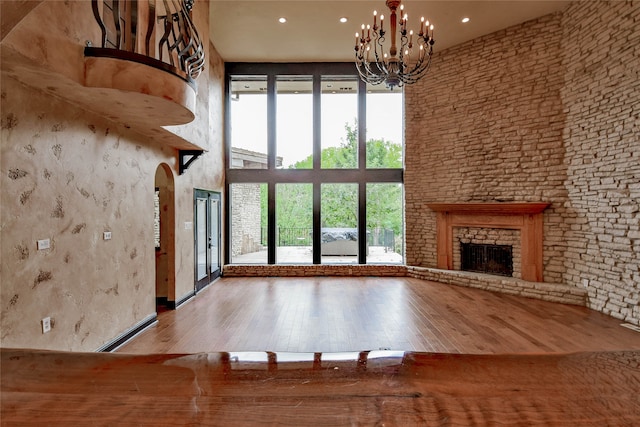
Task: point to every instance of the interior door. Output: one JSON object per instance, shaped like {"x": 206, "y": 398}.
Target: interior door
{"x": 207, "y": 237}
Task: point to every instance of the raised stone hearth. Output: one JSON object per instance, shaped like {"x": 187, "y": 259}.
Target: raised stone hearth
{"x": 525, "y": 217}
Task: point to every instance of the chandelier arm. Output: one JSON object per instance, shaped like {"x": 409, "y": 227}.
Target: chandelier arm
{"x": 415, "y": 67}
{"x": 368, "y": 75}
{"x": 379, "y": 42}
{"x": 421, "y": 64}
{"x": 381, "y": 64}
{"x": 410, "y": 78}
{"x": 404, "y": 41}
{"x": 397, "y": 68}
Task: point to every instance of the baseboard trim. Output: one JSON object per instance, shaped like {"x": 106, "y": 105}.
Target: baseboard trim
{"x": 128, "y": 334}
{"x": 184, "y": 299}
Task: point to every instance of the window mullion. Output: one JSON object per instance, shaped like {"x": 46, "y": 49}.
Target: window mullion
{"x": 317, "y": 157}
{"x": 271, "y": 166}
{"x": 362, "y": 166}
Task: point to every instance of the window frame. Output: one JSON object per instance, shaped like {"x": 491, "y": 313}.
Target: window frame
{"x": 315, "y": 176}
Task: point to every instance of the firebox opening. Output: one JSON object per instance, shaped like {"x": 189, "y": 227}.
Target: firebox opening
{"x": 491, "y": 259}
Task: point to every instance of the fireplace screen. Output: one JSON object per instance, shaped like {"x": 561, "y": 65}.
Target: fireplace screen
{"x": 492, "y": 259}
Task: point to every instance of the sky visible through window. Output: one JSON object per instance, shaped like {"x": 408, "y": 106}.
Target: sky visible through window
{"x": 384, "y": 121}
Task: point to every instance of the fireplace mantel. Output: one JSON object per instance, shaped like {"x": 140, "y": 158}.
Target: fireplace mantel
{"x": 510, "y": 208}
{"x": 526, "y": 217}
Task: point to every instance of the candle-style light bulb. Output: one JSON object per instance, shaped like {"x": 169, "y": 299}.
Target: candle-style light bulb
{"x": 431, "y": 31}
{"x": 421, "y": 26}
{"x": 381, "y": 22}
{"x": 375, "y": 16}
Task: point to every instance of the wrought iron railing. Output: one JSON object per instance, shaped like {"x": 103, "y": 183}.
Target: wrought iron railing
{"x": 302, "y": 236}
{"x": 294, "y": 236}
{"x": 179, "y": 45}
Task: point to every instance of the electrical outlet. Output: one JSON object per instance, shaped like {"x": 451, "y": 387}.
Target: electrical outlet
{"x": 188, "y": 225}
{"x": 106, "y": 235}
{"x": 585, "y": 283}
{"x": 46, "y": 325}
{"x": 44, "y": 244}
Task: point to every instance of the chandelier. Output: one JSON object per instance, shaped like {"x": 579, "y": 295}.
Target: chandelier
{"x": 395, "y": 66}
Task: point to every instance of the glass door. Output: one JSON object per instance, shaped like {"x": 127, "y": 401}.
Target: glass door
{"x": 207, "y": 237}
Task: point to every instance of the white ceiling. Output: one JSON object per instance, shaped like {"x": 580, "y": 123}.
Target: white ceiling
{"x": 249, "y": 31}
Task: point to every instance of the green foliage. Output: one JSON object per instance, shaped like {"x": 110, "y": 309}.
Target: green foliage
{"x": 340, "y": 201}
{"x": 379, "y": 154}
{"x": 294, "y": 205}
{"x": 339, "y": 205}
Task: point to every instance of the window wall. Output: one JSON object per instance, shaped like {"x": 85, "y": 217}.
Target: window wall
{"x": 314, "y": 166}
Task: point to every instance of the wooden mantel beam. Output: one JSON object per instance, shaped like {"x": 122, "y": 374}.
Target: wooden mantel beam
{"x": 495, "y": 208}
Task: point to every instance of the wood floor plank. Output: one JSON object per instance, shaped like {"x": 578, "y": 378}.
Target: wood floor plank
{"x": 326, "y": 314}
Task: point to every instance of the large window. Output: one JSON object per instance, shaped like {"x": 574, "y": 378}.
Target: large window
{"x": 294, "y": 121}
{"x": 339, "y": 115}
{"x": 294, "y": 223}
{"x": 249, "y": 140}
{"x": 314, "y": 166}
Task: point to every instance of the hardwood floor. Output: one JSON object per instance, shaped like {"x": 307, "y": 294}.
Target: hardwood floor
{"x": 589, "y": 381}
{"x": 324, "y": 314}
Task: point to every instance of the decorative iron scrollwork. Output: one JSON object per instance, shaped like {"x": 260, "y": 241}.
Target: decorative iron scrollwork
{"x": 180, "y": 39}
{"x": 179, "y": 44}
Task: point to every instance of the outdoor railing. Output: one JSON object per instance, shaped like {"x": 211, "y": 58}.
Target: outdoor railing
{"x": 302, "y": 236}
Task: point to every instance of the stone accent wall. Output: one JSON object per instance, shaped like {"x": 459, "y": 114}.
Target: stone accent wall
{"x": 249, "y": 270}
{"x": 542, "y": 111}
{"x": 601, "y": 96}
{"x": 486, "y": 125}
{"x": 245, "y": 219}
{"x": 552, "y": 292}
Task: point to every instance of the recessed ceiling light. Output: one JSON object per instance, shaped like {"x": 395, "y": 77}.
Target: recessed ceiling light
{"x": 343, "y": 19}
{"x": 465, "y": 20}
{"x": 282, "y": 20}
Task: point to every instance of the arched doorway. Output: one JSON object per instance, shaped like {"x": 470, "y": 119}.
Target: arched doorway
{"x": 164, "y": 233}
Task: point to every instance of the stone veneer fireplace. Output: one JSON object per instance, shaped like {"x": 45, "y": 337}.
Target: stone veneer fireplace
{"x": 526, "y": 218}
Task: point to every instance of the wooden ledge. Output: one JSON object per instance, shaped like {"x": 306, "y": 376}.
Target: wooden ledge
{"x": 490, "y": 208}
